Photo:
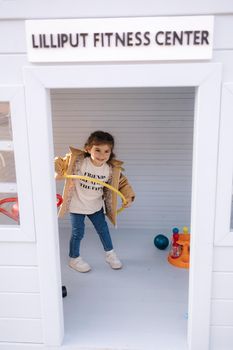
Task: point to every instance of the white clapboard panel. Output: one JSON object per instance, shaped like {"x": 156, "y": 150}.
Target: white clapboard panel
{"x": 21, "y": 330}
{"x": 222, "y": 285}
{"x": 222, "y": 312}
{"x": 13, "y": 254}
{"x": 223, "y": 259}
{"x": 221, "y": 337}
{"x": 19, "y": 279}
{"x": 20, "y": 305}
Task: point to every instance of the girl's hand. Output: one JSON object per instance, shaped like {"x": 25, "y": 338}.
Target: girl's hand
{"x": 127, "y": 204}
{"x": 59, "y": 166}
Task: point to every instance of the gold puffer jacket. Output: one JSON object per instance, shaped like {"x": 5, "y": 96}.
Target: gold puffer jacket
{"x": 71, "y": 161}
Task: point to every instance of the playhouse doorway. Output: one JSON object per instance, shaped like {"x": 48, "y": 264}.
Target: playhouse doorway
{"x": 206, "y": 79}
{"x": 135, "y": 307}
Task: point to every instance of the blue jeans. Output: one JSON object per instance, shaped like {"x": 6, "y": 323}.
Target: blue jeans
{"x": 100, "y": 224}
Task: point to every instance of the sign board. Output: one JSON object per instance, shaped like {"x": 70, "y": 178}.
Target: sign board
{"x": 120, "y": 39}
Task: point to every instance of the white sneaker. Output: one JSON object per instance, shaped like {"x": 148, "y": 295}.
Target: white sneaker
{"x": 79, "y": 264}
{"x": 113, "y": 260}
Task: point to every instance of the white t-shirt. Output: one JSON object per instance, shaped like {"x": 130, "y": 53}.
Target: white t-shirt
{"x": 88, "y": 195}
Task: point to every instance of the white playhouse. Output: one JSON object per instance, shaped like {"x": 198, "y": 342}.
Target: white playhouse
{"x": 159, "y": 77}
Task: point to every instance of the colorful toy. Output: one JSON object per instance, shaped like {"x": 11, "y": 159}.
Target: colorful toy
{"x": 175, "y": 230}
{"x": 175, "y": 247}
{"x": 59, "y": 200}
{"x": 161, "y": 242}
{"x": 13, "y": 212}
{"x": 180, "y": 248}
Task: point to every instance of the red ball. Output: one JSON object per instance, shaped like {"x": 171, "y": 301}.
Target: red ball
{"x": 15, "y": 210}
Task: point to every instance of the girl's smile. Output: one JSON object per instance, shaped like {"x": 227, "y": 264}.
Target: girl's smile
{"x": 100, "y": 154}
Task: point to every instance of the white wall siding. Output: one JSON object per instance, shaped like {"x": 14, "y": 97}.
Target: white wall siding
{"x": 73, "y": 8}
{"x": 11, "y": 69}
{"x": 25, "y": 330}
{"x": 223, "y": 261}
{"x": 222, "y": 312}
{"x": 20, "y": 303}
{"x": 24, "y": 254}
{"x": 221, "y": 338}
{"x": 153, "y": 130}
{"x": 15, "y": 40}
{"x": 223, "y": 31}
{"x": 222, "y": 286}
{"x": 20, "y": 300}
{"x": 221, "y": 330}
{"x": 19, "y": 279}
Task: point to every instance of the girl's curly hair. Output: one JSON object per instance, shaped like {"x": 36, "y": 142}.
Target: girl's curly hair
{"x": 100, "y": 138}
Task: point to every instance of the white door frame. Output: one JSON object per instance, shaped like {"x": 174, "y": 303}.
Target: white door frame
{"x": 206, "y": 77}
{"x": 223, "y": 229}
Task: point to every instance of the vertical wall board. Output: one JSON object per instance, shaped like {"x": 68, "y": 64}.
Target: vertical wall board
{"x": 221, "y": 338}
{"x": 222, "y": 312}
{"x": 45, "y": 211}
{"x": 19, "y": 279}
{"x": 222, "y": 285}
{"x": 223, "y": 261}
{"x": 21, "y": 330}
{"x": 223, "y": 230}
{"x": 13, "y": 254}
{"x": 20, "y": 305}
{"x": 203, "y": 187}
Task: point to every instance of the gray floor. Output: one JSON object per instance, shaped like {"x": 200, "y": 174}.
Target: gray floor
{"x": 143, "y": 306}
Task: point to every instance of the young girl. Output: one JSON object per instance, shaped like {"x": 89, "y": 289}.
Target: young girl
{"x": 84, "y": 198}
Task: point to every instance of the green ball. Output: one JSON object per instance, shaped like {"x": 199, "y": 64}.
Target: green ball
{"x": 161, "y": 242}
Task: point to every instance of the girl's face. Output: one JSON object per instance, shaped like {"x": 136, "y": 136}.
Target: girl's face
{"x": 100, "y": 154}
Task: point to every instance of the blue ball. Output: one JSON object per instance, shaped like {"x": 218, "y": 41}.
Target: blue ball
{"x": 175, "y": 230}
{"x": 161, "y": 242}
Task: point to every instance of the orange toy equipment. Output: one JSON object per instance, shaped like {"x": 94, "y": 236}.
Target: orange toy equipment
{"x": 182, "y": 242}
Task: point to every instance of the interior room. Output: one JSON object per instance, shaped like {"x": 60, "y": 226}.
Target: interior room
{"x": 134, "y": 307}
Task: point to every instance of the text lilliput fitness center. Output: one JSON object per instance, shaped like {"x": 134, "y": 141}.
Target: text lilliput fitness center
{"x": 123, "y": 39}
